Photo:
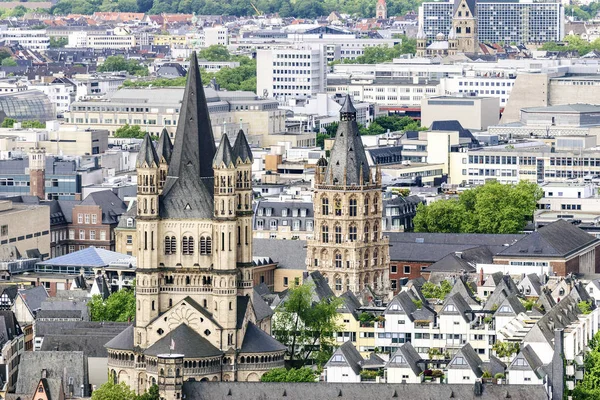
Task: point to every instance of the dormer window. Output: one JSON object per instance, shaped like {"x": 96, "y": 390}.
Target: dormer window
{"x": 268, "y": 210}
{"x": 130, "y": 222}
{"x": 459, "y": 361}
{"x": 284, "y": 212}
{"x": 450, "y": 308}
{"x": 338, "y": 358}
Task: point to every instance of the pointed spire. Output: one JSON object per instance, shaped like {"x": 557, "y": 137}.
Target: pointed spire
{"x": 421, "y": 34}
{"x": 241, "y": 148}
{"x": 165, "y": 146}
{"x": 194, "y": 146}
{"x": 348, "y": 107}
{"x": 452, "y": 34}
{"x": 224, "y": 153}
{"x": 147, "y": 155}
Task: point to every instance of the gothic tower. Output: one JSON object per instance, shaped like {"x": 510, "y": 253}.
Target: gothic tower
{"x": 381, "y": 9}
{"x": 464, "y": 24}
{"x": 421, "y": 42}
{"x": 37, "y": 173}
{"x": 194, "y": 287}
{"x": 348, "y": 247}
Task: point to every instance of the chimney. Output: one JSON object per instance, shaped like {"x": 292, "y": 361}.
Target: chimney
{"x": 480, "y": 276}
{"x": 558, "y": 366}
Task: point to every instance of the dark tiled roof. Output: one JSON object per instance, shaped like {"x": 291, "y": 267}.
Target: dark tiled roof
{"x": 347, "y": 161}
{"x": 241, "y": 148}
{"x": 187, "y": 341}
{"x": 123, "y": 341}
{"x": 410, "y": 358}
{"x": 261, "y": 308}
{"x": 111, "y": 205}
{"x": 165, "y": 146}
{"x": 242, "y": 307}
{"x": 34, "y": 297}
{"x": 471, "y": 357}
{"x": 328, "y": 391}
{"x": 321, "y": 288}
{"x": 188, "y": 191}
{"x": 289, "y": 254}
{"x": 224, "y": 154}
{"x": 258, "y": 341}
{"x": 559, "y": 238}
{"x": 147, "y": 156}
{"x": 451, "y": 263}
{"x": 352, "y": 357}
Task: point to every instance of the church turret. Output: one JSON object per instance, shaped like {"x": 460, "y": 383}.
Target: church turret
{"x": 243, "y": 158}
{"x": 164, "y": 151}
{"x": 452, "y": 42}
{"x": 421, "y": 42}
{"x": 147, "y": 165}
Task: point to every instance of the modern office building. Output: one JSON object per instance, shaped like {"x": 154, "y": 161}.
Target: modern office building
{"x": 505, "y": 21}
{"x": 33, "y": 39}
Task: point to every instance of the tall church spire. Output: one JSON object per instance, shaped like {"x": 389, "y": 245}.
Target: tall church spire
{"x": 348, "y": 163}
{"x": 188, "y": 191}
{"x": 165, "y": 147}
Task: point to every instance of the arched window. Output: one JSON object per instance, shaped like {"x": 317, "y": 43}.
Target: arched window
{"x": 366, "y": 233}
{"x": 338, "y": 206}
{"x": 352, "y": 233}
{"x": 205, "y": 245}
{"x": 170, "y": 245}
{"x": 375, "y": 204}
{"x": 325, "y": 233}
{"x": 353, "y": 207}
{"x": 366, "y": 259}
{"x": 187, "y": 245}
{"x": 338, "y": 284}
{"x": 338, "y": 234}
{"x": 376, "y": 232}
{"x": 375, "y": 256}
{"x": 338, "y": 259}
{"x": 325, "y": 206}
{"x": 366, "y": 210}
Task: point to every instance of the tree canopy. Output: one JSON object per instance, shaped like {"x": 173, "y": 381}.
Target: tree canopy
{"x": 290, "y": 375}
{"x": 432, "y": 291}
{"x": 10, "y": 123}
{"x": 131, "y": 131}
{"x": 589, "y": 387}
{"x": 380, "y": 54}
{"x": 118, "y": 307}
{"x": 112, "y": 391}
{"x": 490, "y": 208}
{"x": 306, "y": 327}
{"x": 119, "y": 63}
{"x": 573, "y": 43}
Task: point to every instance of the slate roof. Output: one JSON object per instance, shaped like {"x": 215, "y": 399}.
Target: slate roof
{"x": 471, "y": 357}
{"x": 242, "y": 307}
{"x": 147, "y": 157}
{"x": 460, "y": 287}
{"x": 532, "y": 359}
{"x": 258, "y": 341}
{"x": 111, "y": 205}
{"x": 462, "y": 307}
{"x": 347, "y": 161}
{"x": 55, "y": 314}
{"x": 514, "y": 303}
{"x": 224, "y": 154}
{"x": 91, "y": 345}
{"x": 321, "y": 289}
{"x": 63, "y": 364}
{"x": 261, "y": 308}
{"x": 411, "y": 359}
{"x": 560, "y": 238}
{"x": 187, "y": 342}
{"x": 451, "y": 263}
{"x": 241, "y": 148}
{"x": 188, "y": 191}
{"x": 350, "y": 304}
{"x": 131, "y": 213}
{"x": 88, "y": 257}
{"x": 165, "y": 146}
{"x": 123, "y": 341}
{"x": 34, "y": 297}
{"x": 353, "y": 391}
{"x": 351, "y": 356}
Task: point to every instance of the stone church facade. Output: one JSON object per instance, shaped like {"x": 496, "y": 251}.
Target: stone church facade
{"x": 348, "y": 247}
{"x": 198, "y": 316}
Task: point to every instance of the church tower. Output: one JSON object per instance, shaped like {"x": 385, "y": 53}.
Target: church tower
{"x": 464, "y": 24}
{"x": 348, "y": 247}
{"x": 381, "y": 9}
{"x": 37, "y": 173}
{"x": 421, "y": 43}
{"x": 194, "y": 285}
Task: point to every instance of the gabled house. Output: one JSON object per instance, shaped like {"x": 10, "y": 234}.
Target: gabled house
{"x": 526, "y": 368}
{"x": 465, "y": 366}
{"x": 593, "y": 289}
{"x": 405, "y": 365}
{"x": 27, "y": 304}
{"x": 508, "y": 310}
{"x": 530, "y": 286}
{"x": 344, "y": 365}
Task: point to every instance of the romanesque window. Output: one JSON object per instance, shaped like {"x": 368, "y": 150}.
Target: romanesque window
{"x": 205, "y": 245}
{"x": 338, "y": 234}
{"x": 325, "y": 206}
{"x": 352, "y": 233}
{"x": 325, "y": 233}
{"x": 353, "y": 207}
{"x": 170, "y": 245}
{"x": 187, "y": 245}
{"x": 338, "y": 260}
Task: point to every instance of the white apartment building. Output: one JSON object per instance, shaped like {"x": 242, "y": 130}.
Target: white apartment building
{"x": 107, "y": 41}
{"x": 90, "y": 86}
{"x": 218, "y": 35}
{"x": 488, "y": 85}
{"x": 61, "y": 95}
{"x": 291, "y": 71}
{"x": 34, "y": 39}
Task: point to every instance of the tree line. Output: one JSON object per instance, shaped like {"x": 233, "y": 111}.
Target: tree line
{"x": 285, "y": 8}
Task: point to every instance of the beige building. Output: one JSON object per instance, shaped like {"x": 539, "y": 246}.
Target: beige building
{"x": 156, "y": 108}
{"x": 25, "y": 226}
{"x": 198, "y": 316}
{"x": 472, "y": 112}
{"x": 126, "y": 233}
{"x": 68, "y": 140}
{"x": 348, "y": 247}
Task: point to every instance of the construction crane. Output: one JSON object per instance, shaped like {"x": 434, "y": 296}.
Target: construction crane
{"x": 258, "y": 12}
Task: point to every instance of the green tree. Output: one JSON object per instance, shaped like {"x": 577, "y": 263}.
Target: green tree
{"x": 130, "y": 131}
{"x": 9, "y": 62}
{"x": 119, "y": 63}
{"x": 58, "y": 42}
{"x": 490, "y": 208}
{"x": 150, "y": 394}
{"x": 215, "y": 52}
{"x": 34, "y": 124}
{"x": 112, "y": 391}
{"x": 158, "y": 82}
{"x": 305, "y": 326}
{"x": 8, "y": 122}
{"x": 585, "y": 307}
{"x": 589, "y": 387}
{"x": 432, "y": 291}
{"x": 118, "y": 307}
{"x": 290, "y": 375}
{"x": 505, "y": 349}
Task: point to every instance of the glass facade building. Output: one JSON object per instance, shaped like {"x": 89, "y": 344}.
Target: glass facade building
{"x": 27, "y": 105}
{"x": 501, "y": 21}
